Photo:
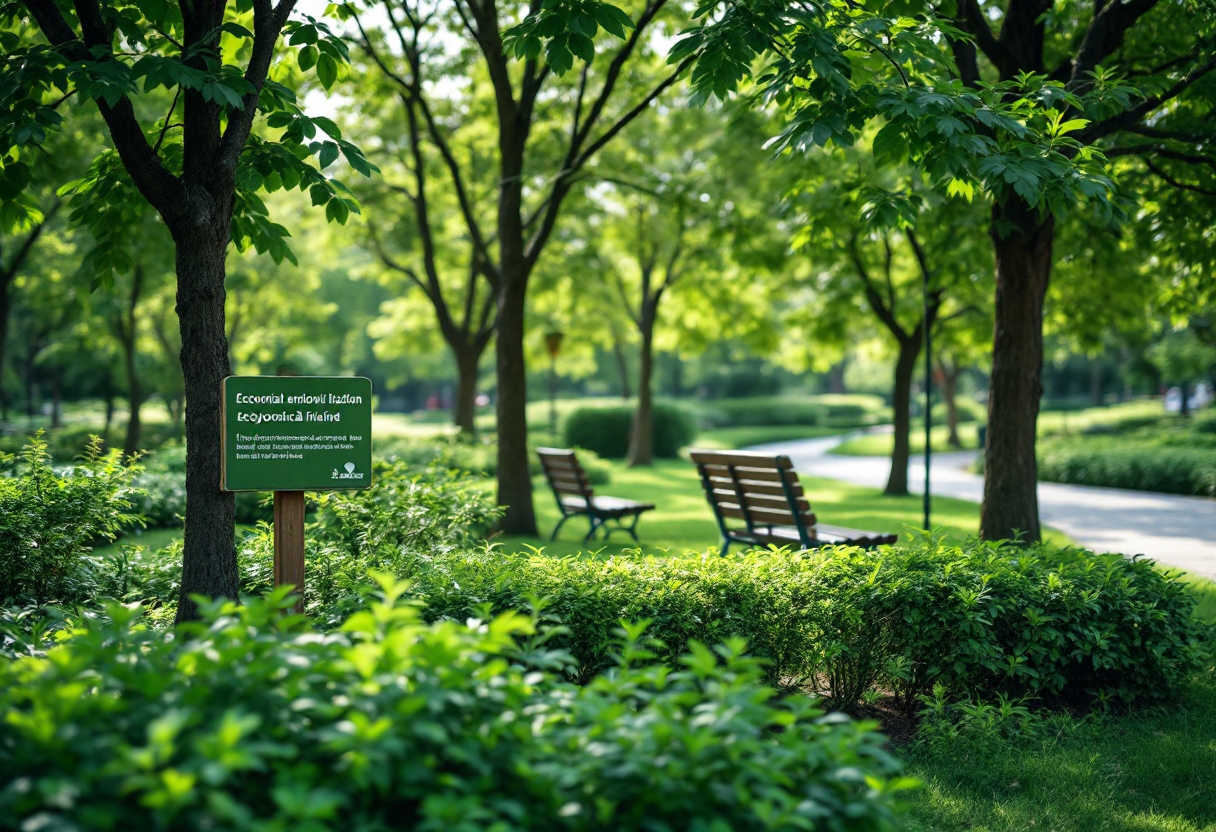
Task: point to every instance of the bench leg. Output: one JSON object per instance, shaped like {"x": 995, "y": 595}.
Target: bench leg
{"x": 595, "y": 526}
{"x": 557, "y": 528}
{"x": 725, "y": 546}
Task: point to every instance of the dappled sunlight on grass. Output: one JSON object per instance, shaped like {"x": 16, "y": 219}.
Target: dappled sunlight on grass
{"x": 682, "y": 520}
{"x": 1146, "y": 772}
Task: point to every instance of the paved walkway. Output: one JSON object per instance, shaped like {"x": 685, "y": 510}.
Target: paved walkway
{"x": 1178, "y": 531}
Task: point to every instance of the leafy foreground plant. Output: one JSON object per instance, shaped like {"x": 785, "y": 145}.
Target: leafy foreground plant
{"x": 250, "y": 720}
{"x": 50, "y": 521}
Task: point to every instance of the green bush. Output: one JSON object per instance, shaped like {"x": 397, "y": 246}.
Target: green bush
{"x": 407, "y": 514}
{"x": 1062, "y": 625}
{"x": 1142, "y": 467}
{"x": 49, "y": 522}
{"x": 816, "y": 411}
{"x": 969, "y": 410}
{"x": 477, "y": 456}
{"x": 605, "y": 430}
{"x": 251, "y": 721}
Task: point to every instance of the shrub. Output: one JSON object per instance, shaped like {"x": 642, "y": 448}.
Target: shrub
{"x": 969, "y": 410}
{"x": 1062, "y": 625}
{"x": 816, "y": 411}
{"x": 159, "y": 496}
{"x": 49, "y": 522}
{"x": 250, "y": 720}
{"x": 407, "y": 514}
{"x": 605, "y": 430}
{"x": 477, "y": 456}
{"x": 1145, "y": 467}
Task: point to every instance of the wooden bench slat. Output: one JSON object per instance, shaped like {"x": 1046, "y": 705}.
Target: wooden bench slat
{"x": 751, "y": 474}
{"x": 740, "y": 459}
{"x": 751, "y": 498}
{"x": 751, "y": 487}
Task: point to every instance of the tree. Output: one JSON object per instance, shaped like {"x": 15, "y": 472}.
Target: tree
{"x": 534, "y": 169}
{"x": 904, "y": 257}
{"x": 200, "y": 173}
{"x": 1028, "y": 114}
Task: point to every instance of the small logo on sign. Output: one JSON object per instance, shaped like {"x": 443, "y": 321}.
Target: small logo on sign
{"x": 348, "y": 474}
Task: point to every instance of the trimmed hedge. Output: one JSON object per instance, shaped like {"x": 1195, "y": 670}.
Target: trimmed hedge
{"x": 1063, "y": 625}
{"x": 817, "y": 411}
{"x": 605, "y": 430}
{"x": 252, "y": 721}
{"x": 1165, "y": 469}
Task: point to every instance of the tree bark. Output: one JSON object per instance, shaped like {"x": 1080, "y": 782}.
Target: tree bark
{"x": 901, "y": 406}
{"x": 514, "y": 476}
{"x": 209, "y": 557}
{"x": 464, "y": 408}
{"x": 641, "y": 436}
{"x": 1022, "y": 241}
{"x": 836, "y": 385}
{"x": 622, "y": 365}
{"x": 130, "y": 444}
{"x": 947, "y": 382}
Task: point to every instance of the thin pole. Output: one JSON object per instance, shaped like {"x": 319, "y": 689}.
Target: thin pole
{"x": 553, "y": 399}
{"x": 289, "y": 542}
{"x": 928, "y": 390}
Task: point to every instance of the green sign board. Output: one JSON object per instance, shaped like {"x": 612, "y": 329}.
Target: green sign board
{"x": 296, "y": 433}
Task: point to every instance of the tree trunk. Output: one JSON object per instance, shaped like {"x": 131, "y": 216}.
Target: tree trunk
{"x": 130, "y": 445}
{"x": 1022, "y": 241}
{"x": 514, "y": 477}
{"x": 641, "y": 437}
{"x": 622, "y": 366}
{"x": 57, "y": 399}
{"x": 1184, "y": 406}
{"x": 947, "y": 381}
{"x": 901, "y": 405}
{"x": 108, "y": 394}
{"x": 209, "y": 557}
{"x": 836, "y": 384}
{"x": 1095, "y": 385}
{"x": 464, "y": 408}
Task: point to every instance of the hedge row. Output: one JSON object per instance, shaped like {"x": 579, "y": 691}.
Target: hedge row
{"x": 606, "y": 430}
{"x": 251, "y": 721}
{"x": 1062, "y": 625}
{"x": 1144, "y": 468}
{"x": 821, "y": 411}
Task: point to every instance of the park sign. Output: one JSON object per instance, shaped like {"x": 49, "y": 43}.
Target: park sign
{"x": 296, "y": 433}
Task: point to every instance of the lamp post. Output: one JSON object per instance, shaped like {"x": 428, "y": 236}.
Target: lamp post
{"x": 928, "y": 390}
{"x": 553, "y": 343}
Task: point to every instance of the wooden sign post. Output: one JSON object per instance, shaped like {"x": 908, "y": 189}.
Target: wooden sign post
{"x": 291, "y": 434}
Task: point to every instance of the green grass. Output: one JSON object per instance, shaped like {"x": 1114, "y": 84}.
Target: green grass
{"x": 881, "y": 444}
{"x": 682, "y": 520}
{"x": 1152, "y": 771}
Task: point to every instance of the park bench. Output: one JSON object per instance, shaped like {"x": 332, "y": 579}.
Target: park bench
{"x": 763, "y": 491}
{"x": 575, "y": 497}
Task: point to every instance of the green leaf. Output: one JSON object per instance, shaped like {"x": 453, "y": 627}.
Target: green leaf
{"x": 327, "y": 71}
{"x": 306, "y": 58}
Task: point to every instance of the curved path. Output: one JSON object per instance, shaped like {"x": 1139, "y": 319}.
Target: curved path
{"x": 1177, "y": 531}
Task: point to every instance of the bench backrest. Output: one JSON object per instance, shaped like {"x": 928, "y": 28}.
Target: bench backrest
{"x": 759, "y": 489}
{"x": 564, "y": 474}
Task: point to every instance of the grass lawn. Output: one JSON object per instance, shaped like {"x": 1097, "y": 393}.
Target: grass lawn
{"x": 682, "y": 520}
{"x": 1153, "y": 771}
{"x": 880, "y": 444}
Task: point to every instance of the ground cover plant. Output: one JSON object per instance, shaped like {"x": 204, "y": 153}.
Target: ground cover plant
{"x": 251, "y": 720}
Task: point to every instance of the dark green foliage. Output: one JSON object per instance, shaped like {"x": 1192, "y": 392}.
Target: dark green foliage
{"x": 253, "y": 721}
{"x": 408, "y": 514}
{"x": 1062, "y": 625}
{"x": 161, "y": 496}
{"x": 69, "y": 443}
{"x": 605, "y": 430}
{"x": 477, "y": 456}
{"x": 818, "y": 411}
{"x": 49, "y": 522}
{"x": 1142, "y": 467}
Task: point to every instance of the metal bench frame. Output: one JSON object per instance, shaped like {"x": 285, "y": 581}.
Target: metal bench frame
{"x": 566, "y": 476}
